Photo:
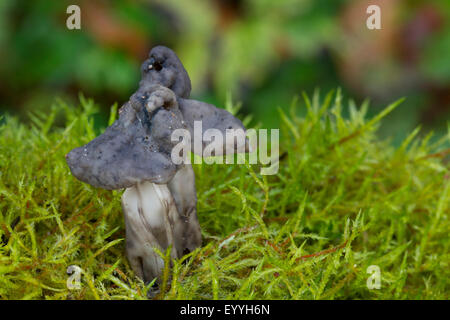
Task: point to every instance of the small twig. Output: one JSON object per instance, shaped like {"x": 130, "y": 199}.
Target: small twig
{"x": 275, "y": 247}
{"x": 441, "y": 154}
{"x": 234, "y": 233}
{"x": 346, "y": 138}
{"x": 320, "y": 253}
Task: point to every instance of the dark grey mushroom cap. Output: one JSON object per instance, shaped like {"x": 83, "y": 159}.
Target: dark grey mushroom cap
{"x": 210, "y": 116}
{"x": 164, "y": 68}
{"x": 135, "y": 148}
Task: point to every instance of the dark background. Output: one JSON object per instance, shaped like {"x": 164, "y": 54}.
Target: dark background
{"x": 261, "y": 52}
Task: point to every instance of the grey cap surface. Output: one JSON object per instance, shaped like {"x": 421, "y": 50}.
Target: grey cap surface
{"x": 135, "y": 148}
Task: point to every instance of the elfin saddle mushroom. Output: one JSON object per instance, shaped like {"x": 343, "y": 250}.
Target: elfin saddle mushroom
{"x": 159, "y": 202}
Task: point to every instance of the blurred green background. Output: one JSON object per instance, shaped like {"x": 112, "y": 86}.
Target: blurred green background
{"x": 263, "y": 52}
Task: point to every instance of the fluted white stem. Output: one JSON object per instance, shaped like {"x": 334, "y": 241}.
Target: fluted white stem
{"x": 147, "y": 207}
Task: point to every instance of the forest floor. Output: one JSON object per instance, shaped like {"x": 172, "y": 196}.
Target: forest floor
{"x": 344, "y": 210}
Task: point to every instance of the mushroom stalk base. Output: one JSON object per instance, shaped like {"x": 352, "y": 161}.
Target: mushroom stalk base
{"x": 159, "y": 216}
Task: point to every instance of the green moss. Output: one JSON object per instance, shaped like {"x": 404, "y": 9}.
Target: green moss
{"x": 343, "y": 200}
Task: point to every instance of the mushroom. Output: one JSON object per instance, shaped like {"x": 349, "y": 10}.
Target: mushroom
{"x": 159, "y": 202}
